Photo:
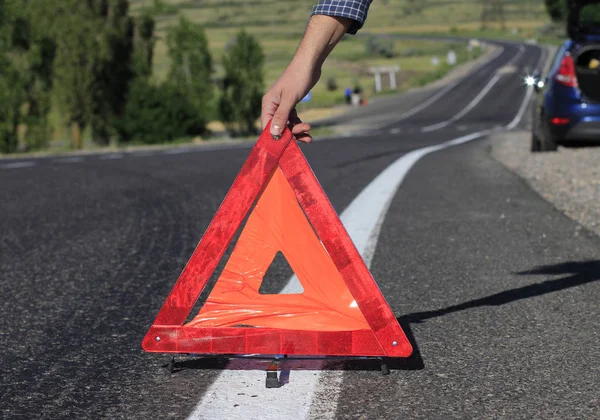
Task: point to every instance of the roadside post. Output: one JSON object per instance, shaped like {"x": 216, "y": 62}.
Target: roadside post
{"x": 391, "y": 70}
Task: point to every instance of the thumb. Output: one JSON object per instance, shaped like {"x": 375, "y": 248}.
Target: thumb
{"x": 281, "y": 116}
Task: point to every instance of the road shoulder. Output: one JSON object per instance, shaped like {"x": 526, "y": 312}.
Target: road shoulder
{"x": 569, "y": 179}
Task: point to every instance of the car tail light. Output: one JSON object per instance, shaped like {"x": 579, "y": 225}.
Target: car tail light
{"x": 559, "y": 121}
{"x": 566, "y": 72}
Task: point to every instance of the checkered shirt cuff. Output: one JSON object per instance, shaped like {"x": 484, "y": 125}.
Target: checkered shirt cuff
{"x": 352, "y": 9}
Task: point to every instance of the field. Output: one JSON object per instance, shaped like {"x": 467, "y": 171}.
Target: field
{"x": 279, "y": 24}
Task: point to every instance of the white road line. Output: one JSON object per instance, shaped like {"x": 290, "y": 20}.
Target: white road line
{"x": 16, "y": 165}
{"x": 465, "y": 110}
{"x": 522, "y": 109}
{"x": 68, "y": 160}
{"x": 186, "y": 150}
{"x": 516, "y": 57}
{"x": 395, "y": 131}
{"x": 438, "y": 95}
{"x": 442, "y": 92}
{"x": 179, "y": 151}
{"x": 475, "y": 102}
{"x": 112, "y": 156}
{"x": 527, "y": 99}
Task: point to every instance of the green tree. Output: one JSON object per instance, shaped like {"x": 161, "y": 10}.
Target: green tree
{"x": 76, "y": 64}
{"x": 96, "y": 63}
{"x": 591, "y": 13}
{"x": 11, "y": 98}
{"x": 243, "y": 85}
{"x": 143, "y": 45}
{"x": 33, "y": 53}
{"x": 114, "y": 68}
{"x": 155, "y": 114}
{"x": 557, "y": 9}
{"x": 191, "y": 69}
{"x": 26, "y": 59}
{"x": 10, "y": 83}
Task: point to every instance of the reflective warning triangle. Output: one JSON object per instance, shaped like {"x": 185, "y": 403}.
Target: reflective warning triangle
{"x": 338, "y": 311}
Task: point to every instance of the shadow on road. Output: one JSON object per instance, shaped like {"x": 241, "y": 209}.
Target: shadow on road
{"x": 578, "y": 273}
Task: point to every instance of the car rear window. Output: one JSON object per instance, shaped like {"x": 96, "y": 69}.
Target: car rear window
{"x": 589, "y": 18}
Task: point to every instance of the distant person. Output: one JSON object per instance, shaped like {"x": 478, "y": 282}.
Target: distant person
{"x": 356, "y": 99}
{"x": 329, "y": 22}
{"x": 348, "y": 95}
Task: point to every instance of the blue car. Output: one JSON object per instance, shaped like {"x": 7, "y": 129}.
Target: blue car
{"x": 567, "y": 110}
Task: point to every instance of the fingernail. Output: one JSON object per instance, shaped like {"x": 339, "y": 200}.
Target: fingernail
{"x": 276, "y": 132}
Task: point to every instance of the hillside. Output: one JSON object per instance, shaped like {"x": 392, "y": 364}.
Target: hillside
{"x": 278, "y": 24}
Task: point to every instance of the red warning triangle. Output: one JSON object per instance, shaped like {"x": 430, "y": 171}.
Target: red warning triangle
{"x": 340, "y": 312}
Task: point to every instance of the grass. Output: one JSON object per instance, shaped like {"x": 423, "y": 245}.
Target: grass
{"x": 279, "y": 25}
{"x": 348, "y": 64}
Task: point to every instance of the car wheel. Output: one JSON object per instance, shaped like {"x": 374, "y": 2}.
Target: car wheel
{"x": 536, "y": 145}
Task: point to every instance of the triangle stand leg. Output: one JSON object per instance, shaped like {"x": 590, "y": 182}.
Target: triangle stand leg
{"x": 171, "y": 365}
{"x": 385, "y": 370}
{"x": 272, "y": 380}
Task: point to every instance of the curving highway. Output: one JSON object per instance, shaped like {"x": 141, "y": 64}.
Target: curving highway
{"x": 496, "y": 289}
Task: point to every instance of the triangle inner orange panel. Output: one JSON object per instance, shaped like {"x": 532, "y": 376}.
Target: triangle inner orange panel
{"x": 278, "y": 223}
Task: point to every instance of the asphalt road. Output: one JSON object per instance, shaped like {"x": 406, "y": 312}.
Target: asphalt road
{"x": 496, "y": 289}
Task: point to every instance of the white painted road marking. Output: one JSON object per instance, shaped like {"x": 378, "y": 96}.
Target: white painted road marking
{"x": 179, "y": 151}
{"x": 16, "y": 165}
{"x": 439, "y": 94}
{"x": 466, "y": 109}
{"x": 478, "y": 98}
{"x": 527, "y": 99}
{"x": 68, "y": 160}
{"x": 112, "y": 156}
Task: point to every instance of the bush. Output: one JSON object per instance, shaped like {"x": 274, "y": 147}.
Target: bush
{"x": 590, "y": 13}
{"x": 155, "y": 114}
{"x": 37, "y": 134}
{"x": 379, "y": 46}
{"x": 557, "y": 9}
{"x": 332, "y": 84}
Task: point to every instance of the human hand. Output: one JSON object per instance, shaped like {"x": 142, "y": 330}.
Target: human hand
{"x": 279, "y": 102}
{"x": 303, "y": 73}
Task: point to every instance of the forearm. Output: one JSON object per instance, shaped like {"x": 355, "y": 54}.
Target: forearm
{"x": 321, "y": 36}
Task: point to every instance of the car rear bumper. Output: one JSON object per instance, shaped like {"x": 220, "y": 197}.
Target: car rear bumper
{"x": 584, "y": 130}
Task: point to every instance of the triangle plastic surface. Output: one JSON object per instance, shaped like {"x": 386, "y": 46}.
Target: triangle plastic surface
{"x": 341, "y": 311}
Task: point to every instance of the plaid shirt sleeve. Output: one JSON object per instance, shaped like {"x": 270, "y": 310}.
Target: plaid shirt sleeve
{"x": 352, "y": 9}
